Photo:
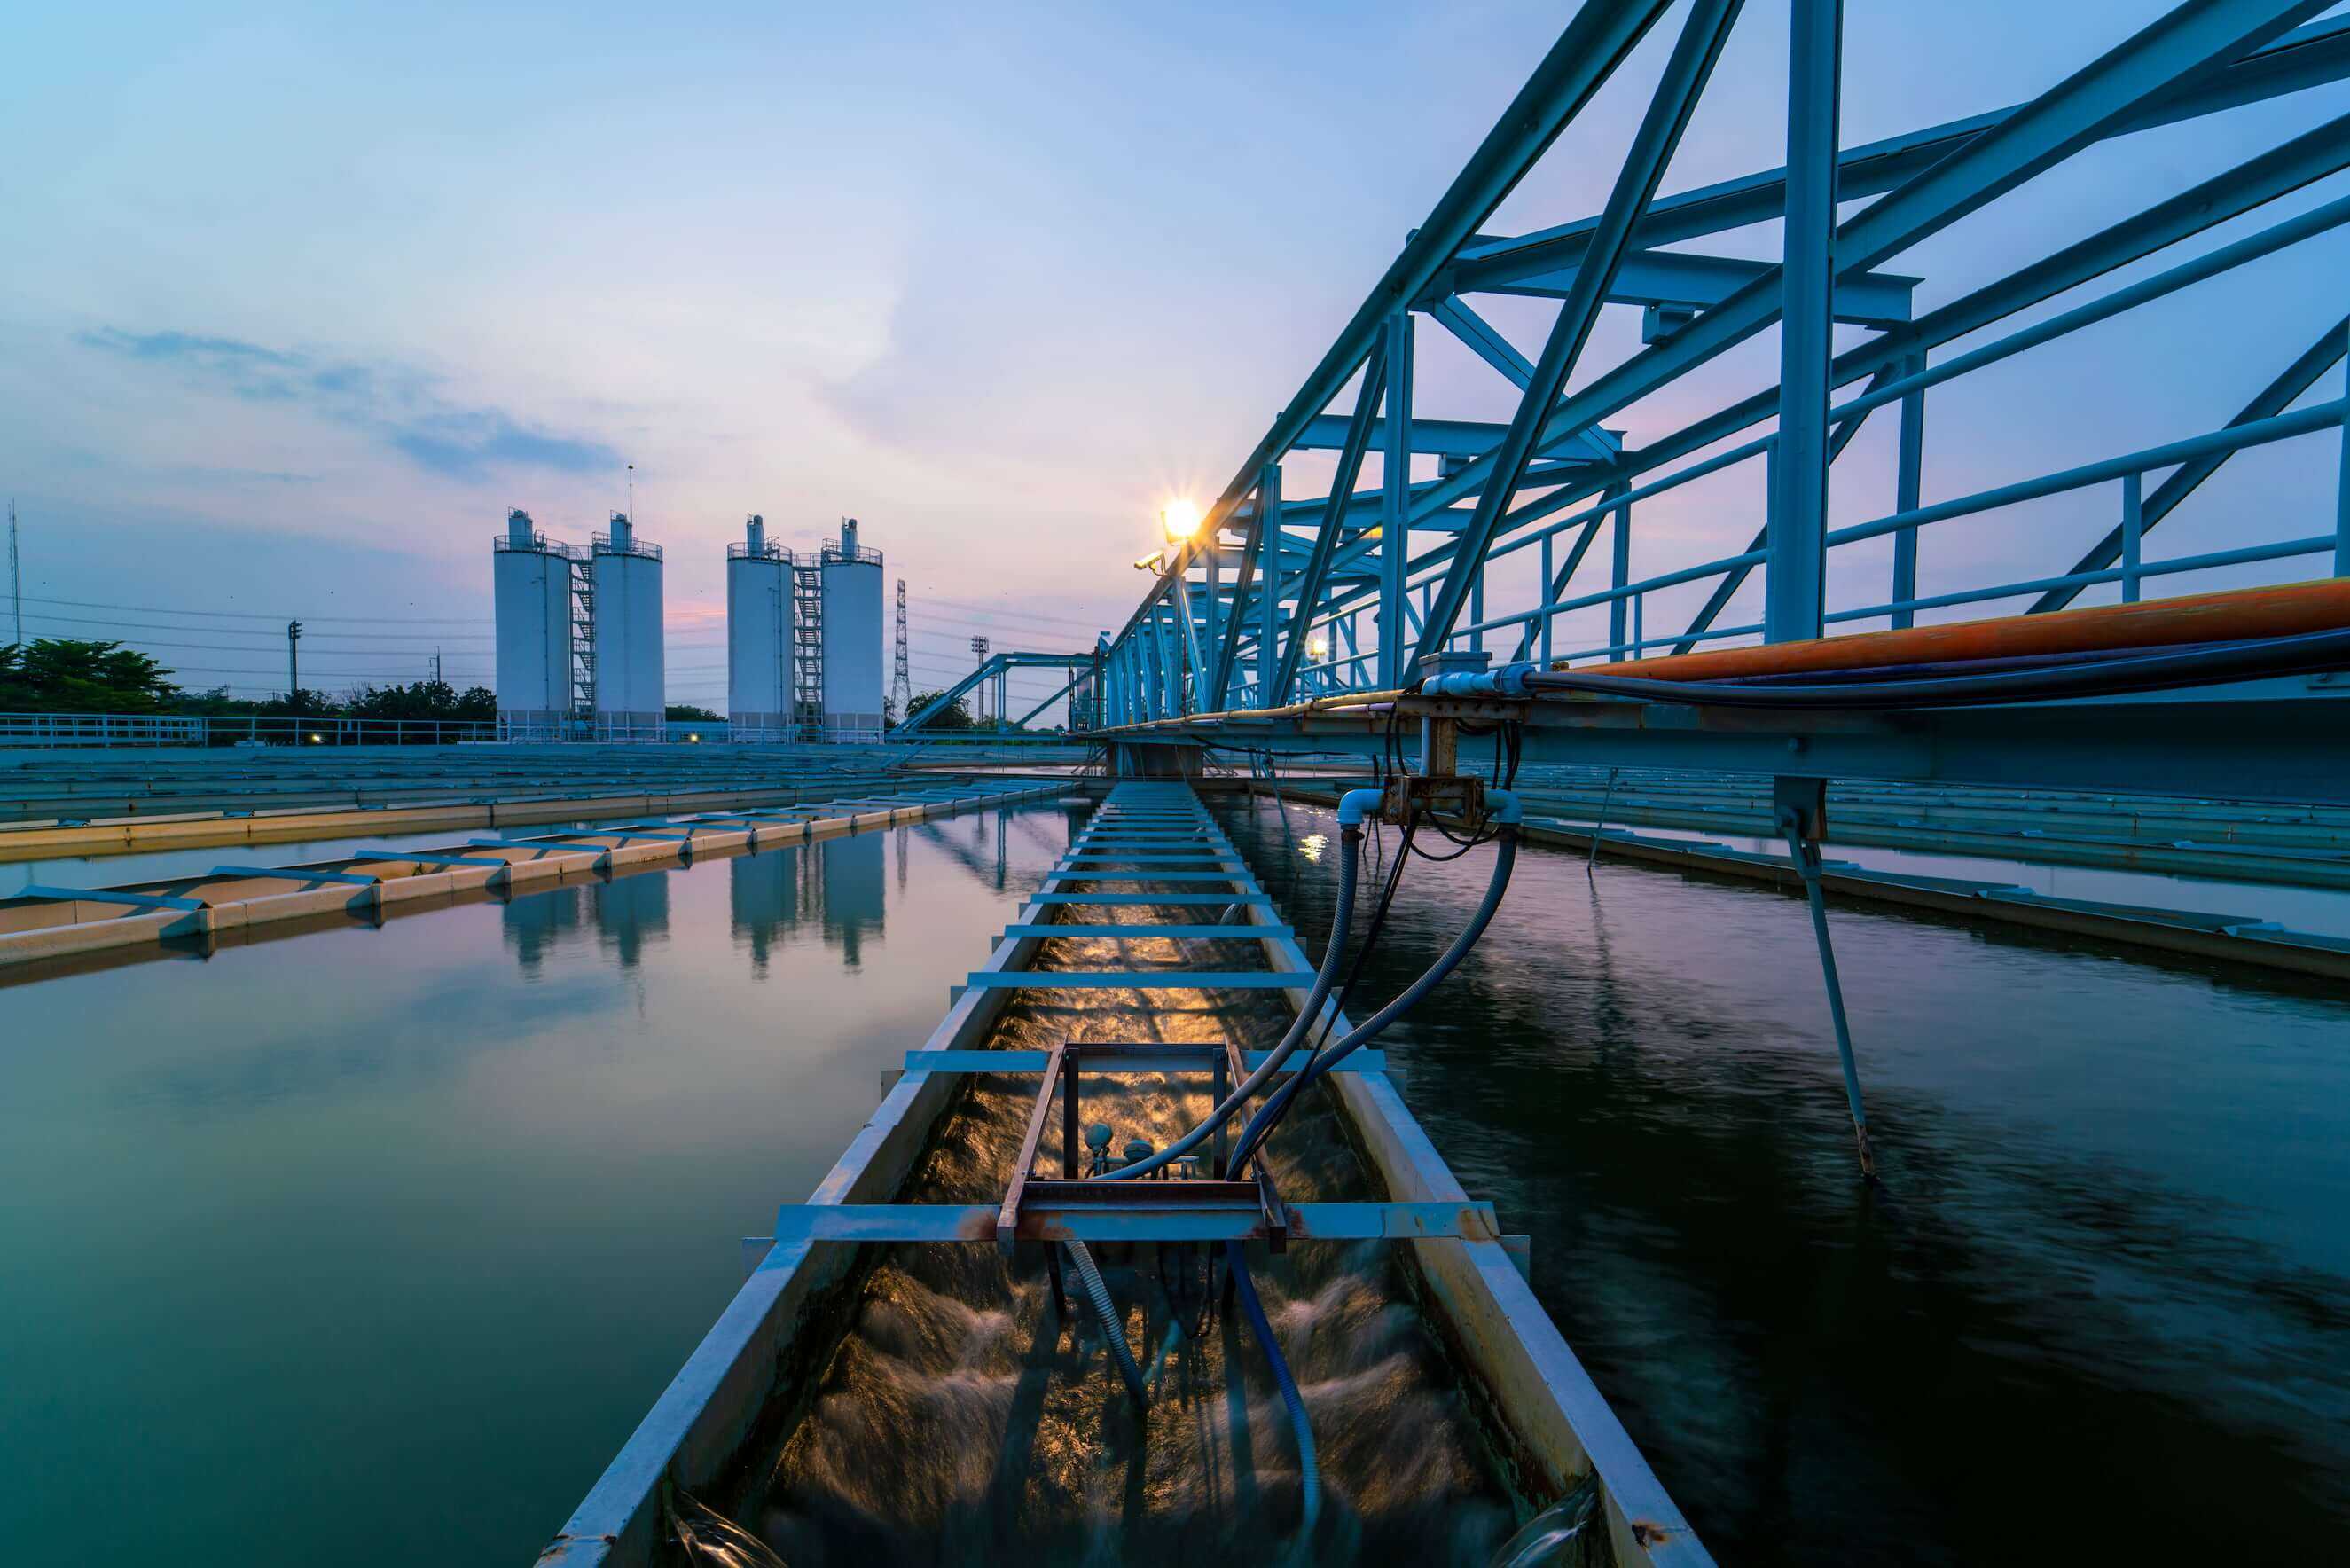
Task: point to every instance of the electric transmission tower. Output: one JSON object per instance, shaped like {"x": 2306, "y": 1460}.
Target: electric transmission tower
{"x": 901, "y": 680}
{"x": 15, "y": 576}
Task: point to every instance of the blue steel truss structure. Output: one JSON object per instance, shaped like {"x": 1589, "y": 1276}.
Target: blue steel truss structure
{"x": 1277, "y": 605}
{"x": 1080, "y": 689}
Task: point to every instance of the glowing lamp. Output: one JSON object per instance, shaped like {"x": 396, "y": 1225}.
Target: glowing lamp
{"x": 1181, "y": 519}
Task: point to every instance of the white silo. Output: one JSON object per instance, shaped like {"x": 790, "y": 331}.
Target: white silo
{"x": 852, "y": 638}
{"x": 531, "y": 581}
{"x": 631, "y": 689}
{"x": 758, "y": 637}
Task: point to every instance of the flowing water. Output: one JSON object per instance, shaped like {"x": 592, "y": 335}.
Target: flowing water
{"x": 373, "y": 1246}
{"x": 965, "y": 1420}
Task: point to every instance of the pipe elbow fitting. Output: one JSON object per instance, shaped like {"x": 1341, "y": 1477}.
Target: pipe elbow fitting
{"x": 1511, "y": 810}
{"x": 1357, "y": 803}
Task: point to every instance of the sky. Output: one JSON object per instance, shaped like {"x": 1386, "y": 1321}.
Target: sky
{"x": 298, "y": 300}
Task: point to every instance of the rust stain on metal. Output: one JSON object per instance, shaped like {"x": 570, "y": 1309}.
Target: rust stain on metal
{"x": 1649, "y": 1534}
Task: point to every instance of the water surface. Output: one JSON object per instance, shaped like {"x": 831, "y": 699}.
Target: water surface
{"x": 2100, "y": 1308}
{"x": 373, "y": 1246}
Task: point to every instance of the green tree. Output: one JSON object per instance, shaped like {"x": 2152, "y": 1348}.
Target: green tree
{"x": 686, "y": 712}
{"x": 423, "y": 700}
{"x": 54, "y": 675}
{"x": 956, "y": 717}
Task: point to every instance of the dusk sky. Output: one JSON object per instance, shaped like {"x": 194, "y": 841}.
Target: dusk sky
{"x": 299, "y": 301}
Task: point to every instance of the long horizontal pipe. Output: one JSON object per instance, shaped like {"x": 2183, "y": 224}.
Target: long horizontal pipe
{"x": 2232, "y": 615}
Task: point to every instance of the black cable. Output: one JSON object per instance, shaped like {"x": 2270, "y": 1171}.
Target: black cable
{"x": 2201, "y": 665}
{"x": 1371, "y": 934}
{"x": 1466, "y": 845}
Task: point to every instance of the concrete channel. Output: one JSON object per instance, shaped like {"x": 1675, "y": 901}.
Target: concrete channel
{"x": 1551, "y": 1416}
{"x": 43, "y": 926}
{"x": 2230, "y": 939}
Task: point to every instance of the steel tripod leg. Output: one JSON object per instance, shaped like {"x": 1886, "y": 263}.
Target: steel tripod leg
{"x": 1600, "y": 825}
{"x": 1805, "y": 850}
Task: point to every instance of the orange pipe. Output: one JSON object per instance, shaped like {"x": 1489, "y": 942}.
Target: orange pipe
{"x": 2230, "y": 616}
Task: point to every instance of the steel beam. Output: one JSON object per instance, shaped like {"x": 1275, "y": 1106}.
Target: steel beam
{"x": 1342, "y": 487}
{"x": 1584, "y": 56}
{"x": 1691, "y": 62}
{"x": 1794, "y": 583}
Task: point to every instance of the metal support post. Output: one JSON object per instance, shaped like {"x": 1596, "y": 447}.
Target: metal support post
{"x": 1619, "y": 574}
{"x": 1796, "y": 580}
{"x": 1599, "y": 825}
{"x": 1907, "y": 475}
{"x": 1268, "y": 580}
{"x": 1174, "y": 633}
{"x": 1477, "y": 607}
{"x": 2132, "y": 533}
{"x": 1542, "y": 637}
{"x": 2342, "y": 495}
{"x": 1395, "y": 509}
{"x": 1802, "y": 809}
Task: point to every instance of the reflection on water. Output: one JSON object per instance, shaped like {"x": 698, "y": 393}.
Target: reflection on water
{"x": 411, "y": 1225}
{"x": 762, "y": 899}
{"x": 853, "y": 887}
{"x": 631, "y": 914}
{"x": 2098, "y": 1310}
{"x": 536, "y": 923}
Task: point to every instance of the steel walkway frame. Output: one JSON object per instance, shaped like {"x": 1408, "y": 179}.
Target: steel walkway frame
{"x": 1386, "y": 574}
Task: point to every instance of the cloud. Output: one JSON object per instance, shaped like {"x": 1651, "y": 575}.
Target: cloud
{"x": 399, "y": 407}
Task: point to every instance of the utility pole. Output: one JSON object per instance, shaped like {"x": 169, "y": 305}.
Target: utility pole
{"x": 294, "y": 664}
{"x": 15, "y": 576}
{"x": 436, "y": 667}
{"x": 901, "y": 681}
{"x": 979, "y": 692}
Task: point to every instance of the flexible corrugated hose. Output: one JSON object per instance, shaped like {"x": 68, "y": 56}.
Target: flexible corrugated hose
{"x": 1113, "y": 1327}
{"x": 1309, "y": 1473}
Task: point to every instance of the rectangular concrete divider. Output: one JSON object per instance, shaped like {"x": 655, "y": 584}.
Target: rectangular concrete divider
{"x": 37, "y": 927}
{"x": 1557, "y": 1427}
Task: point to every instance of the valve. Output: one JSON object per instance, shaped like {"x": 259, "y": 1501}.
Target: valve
{"x": 1460, "y": 795}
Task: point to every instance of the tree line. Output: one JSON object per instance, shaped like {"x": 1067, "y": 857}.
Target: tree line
{"x": 66, "y": 675}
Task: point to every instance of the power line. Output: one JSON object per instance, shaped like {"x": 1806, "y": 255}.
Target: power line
{"x": 973, "y": 605}
{"x": 256, "y": 615}
{"x": 399, "y": 654}
{"x": 255, "y": 631}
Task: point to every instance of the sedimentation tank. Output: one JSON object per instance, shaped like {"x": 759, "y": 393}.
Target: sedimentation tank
{"x": 758, "y": 637}
{"x": 531, "y": 577}
{"x": 852, "y": 638}
{"x": 630, "y": 689}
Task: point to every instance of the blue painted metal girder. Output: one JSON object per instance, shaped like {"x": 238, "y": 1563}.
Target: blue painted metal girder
{"x": 1162, "y": 1221}
{"x": 1138, "y": 979}
{"x": 43, "y": 891}
{"x": 983, "y": 1061}
{"x": 1115, "y": 933}
{"x": 294, "y": 874}
{"x": 1151, "y": 898}
{"x": 1686, "y": 72}
{"x": 426, "y": 857}
{"x": 1584, "y": 56}
{"x": 1086, "y": 874}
